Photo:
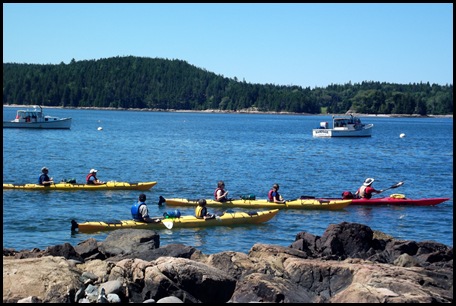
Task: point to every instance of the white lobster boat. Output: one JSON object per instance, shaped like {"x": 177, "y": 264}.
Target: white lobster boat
{"x": 35, "y": 119}
{"x": 344, "y": 126}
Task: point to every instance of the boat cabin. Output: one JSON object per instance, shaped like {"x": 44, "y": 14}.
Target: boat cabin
{"x": 352, "y": 122}
{"x": 29, "y": 116}
{"x": 34, "y": 115}
{"x": 343, "y": 126}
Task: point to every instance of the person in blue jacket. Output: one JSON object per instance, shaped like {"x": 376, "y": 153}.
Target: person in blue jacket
{"x": 44, "y": 179}
{"x": 139, "y": 211}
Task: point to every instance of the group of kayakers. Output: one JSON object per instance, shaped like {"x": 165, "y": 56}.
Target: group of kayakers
{"x": 365, "y": 191}
{"x": 139, "y": 210}
{"x": 221, "y": 195}
{"x": 91, "y": 178}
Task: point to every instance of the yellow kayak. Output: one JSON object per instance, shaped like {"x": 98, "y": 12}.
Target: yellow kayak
{"x": 227, "y": 219}
{"x": 334, "y": 204}
{"x": 68, "y": 186}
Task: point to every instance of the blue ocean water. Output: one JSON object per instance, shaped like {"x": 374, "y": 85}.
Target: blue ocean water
{"x": 187, "y": 153}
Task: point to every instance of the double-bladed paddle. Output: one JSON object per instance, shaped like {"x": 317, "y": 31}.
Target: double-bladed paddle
{"x": 399, "y": 184}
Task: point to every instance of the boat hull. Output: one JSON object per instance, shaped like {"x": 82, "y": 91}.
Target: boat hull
{"x": 365, "y": 131}
{"x": 396, "y": 201}
{"x": 335, "y": 204}
{"x": 68, "y": 186}
{"x": 64, "y": 123}
{"x": 227, "y": 219}
{"x": 399, "y": 201}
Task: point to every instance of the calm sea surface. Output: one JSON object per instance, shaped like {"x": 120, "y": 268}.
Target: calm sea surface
{"x": 187, "y": 153}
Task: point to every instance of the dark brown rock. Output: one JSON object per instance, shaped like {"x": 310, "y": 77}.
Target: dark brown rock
{"x": 172, "y": 250}
{"x": 124, "y": 241}
{"x": 65, "y": 250}
{"x": 88, "y": 249}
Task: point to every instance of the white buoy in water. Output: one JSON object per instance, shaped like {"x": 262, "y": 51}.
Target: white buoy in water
{"x": 100, "y": 128}
{"x": 402, "y": 135}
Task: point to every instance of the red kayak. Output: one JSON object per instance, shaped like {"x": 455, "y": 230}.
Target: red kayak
{"x": 400, "y": 201}
{"x": 394, "y": 199}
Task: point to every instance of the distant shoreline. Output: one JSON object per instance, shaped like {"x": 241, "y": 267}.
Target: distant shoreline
{"x": 245, "y": 111}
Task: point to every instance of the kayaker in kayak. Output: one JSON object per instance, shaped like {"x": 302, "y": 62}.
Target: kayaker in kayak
{"x": 91, "y": 178}
{"x": 139, "y": 211}
{"x": 220, "y": 195}
{"x": 366, "y": 190}
{"x": 201, "y": 210}
{"x": 274, "y": 195}
{"x": 44, "y": 179}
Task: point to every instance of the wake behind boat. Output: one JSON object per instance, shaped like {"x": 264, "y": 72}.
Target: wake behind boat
{"x": 227, "y": 219}
{"x": 35, "y": 119}
{"x": 112, "y": 185}
{"x": 305, "y": 203}
{"x": 344, "y": 126}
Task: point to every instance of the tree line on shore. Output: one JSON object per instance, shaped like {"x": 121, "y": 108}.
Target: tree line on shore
{"x": 155, "y": 83}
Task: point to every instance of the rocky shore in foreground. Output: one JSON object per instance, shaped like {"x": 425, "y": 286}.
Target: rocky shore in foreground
{"x": 349, "y": 263}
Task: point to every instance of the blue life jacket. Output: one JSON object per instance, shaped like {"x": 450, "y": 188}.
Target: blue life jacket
{"x": 135, "y": 211}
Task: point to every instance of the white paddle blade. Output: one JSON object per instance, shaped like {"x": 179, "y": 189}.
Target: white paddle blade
{"x": 168, "y": 224}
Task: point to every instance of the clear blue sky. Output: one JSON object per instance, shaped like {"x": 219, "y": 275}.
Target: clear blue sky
{"x": 303, "y": 44}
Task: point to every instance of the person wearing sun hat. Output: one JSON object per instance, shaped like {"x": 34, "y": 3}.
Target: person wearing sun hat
{"x": 92, "y": 179}
{"x": 366, "y": 190}
{"x": 44, "y": 179}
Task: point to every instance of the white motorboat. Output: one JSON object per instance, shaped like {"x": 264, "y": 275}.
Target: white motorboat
{"x": 35, "y": 119}
{"x": 344, "y": 126}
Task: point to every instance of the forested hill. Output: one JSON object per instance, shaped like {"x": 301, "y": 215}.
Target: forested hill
{"x": 154, "y": 83}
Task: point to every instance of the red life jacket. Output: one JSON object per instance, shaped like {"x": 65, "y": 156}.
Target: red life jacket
{"x": 270, "y": 195}
{"x": 215, "y": 192}
{"x": 88, "y": 177}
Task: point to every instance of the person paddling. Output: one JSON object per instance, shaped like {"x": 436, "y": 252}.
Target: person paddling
{"x": 92, "y": 179}
{"x": 44, "y": 179}
{"x": 366, "y": 190}
{"x": 220, "y": 194}
{"x": 274, "y": 195}
{"x": 139, "y": 211}
{"x": 201, "y": 210}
